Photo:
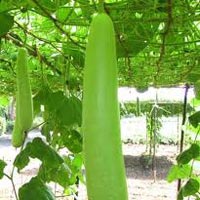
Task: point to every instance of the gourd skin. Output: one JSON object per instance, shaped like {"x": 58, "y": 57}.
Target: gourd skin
{"x": 104, "y": 164}
{"x": 24, "y": 104}
{"x": 18, "y": 134}
{"x": 24, "y": 91}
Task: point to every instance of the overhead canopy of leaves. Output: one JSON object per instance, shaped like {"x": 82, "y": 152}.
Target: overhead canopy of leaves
{"x": 157, "y": 41}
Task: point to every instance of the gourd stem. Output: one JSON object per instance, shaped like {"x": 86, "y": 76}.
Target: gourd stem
{"x": 101, "y": 6}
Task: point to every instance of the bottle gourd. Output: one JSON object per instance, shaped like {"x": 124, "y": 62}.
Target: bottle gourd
{"x": 24, "y": 104}
{"x": 104, "y": 164}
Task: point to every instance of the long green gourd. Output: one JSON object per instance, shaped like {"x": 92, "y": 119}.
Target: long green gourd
{"x": 104, "y": 164}
{"x": 17, "y": 134}
{"x": 24, "y": 104}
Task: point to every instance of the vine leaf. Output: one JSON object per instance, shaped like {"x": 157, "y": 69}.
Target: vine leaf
{"x": 178, "y": 172}
{"x": 6, "y": 22}
{"x": 180, "y": 195}
{"x": 186, "y": 156}
{"x": 191, "y": 187}
{"x": 72, "y": 140}
{"x": 63, "y": 111}
{"x": 53, "y": 168}
{"x": 38, "y": 149}
{"x": 72, "y": 50}
{"x": 22, "y": 159}
{"x": 5, "y": 6}
{"x": 69, "y": 111}
{"x": 2, "y": 166}
{"x": 35, "y": 189}
{"x": 65, "y": 174}
{"x": 195, "y": 119}
{"x": 61, "y": 174}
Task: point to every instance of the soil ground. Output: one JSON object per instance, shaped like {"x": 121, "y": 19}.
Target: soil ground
{"x": 140, "y": 178}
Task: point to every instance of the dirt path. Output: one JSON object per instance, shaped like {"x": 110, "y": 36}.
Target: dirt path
{"x": 140, "y": 179}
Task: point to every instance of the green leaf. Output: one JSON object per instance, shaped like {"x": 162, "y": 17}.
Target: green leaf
{"x": 4, "y": 101}
{"x": 41, "y": 98}
{"x": 61, "y": 174}
{"x": 87, "y": 10}
{"x": 5, "y": 5}
{"x": 63, "y": 14}
{"x": 51, "y": 6}
{"x": 40, "y": 150}
{"x": 195, "y": 149}
{"x": 185, "y": 157}
{"x": 63, "y": 111}
{"x": 65, "y": 174}
{"x": 74, "y": 51}
{"x": 72, "y": 140}
{"x": 77, "y": 107}
{"x": 75, "y": 110}
{"x": 22, "y": 159}
{"x": 178, "y": 172}
{"x": 77, "y": 162}
{"x": 180, "y": 195}
{"x": 74, "y": 162}
{"x": 193, "y": 76}
{"x": 135, "y": 33}
{"x": 2, "y": 166}
{"x": 195, "y": 119}
{"x": 191, "y": 187}
{"x": 6, "y": 22}
{"x": 46, "y": 131}
{"x": 69, "y": 112}
{"x": 194, "y": 102}
{"x": 35, "y": 189}
{"x": 55, "y": 99}
{"x": 189, "y": 154}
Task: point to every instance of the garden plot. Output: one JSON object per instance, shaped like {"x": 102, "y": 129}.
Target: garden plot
{"x": 140, "y": 180}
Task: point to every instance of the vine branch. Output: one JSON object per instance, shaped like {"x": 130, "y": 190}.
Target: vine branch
{"x": 164, "y": 37}
{"x": 45, "y": 41}
{"x": 13, "y": 184}
{"x": 56, "y": 23}
{"x": 41, "y": 39}
{"x": 32, "y": 51}
{"x": 183, "y": 123}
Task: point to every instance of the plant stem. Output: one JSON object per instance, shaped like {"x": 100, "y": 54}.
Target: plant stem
{"x": 13, "y": 184}
{"x": 101, "y": 6}
{"x": 77, "y": 184}
{"x": 183, "y": 123}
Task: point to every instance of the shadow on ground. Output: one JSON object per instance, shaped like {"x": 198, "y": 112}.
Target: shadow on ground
{"x": 137, "y": 168}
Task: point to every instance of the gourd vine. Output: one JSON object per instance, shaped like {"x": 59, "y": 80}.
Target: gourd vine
{"x": 101, "y": 6}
